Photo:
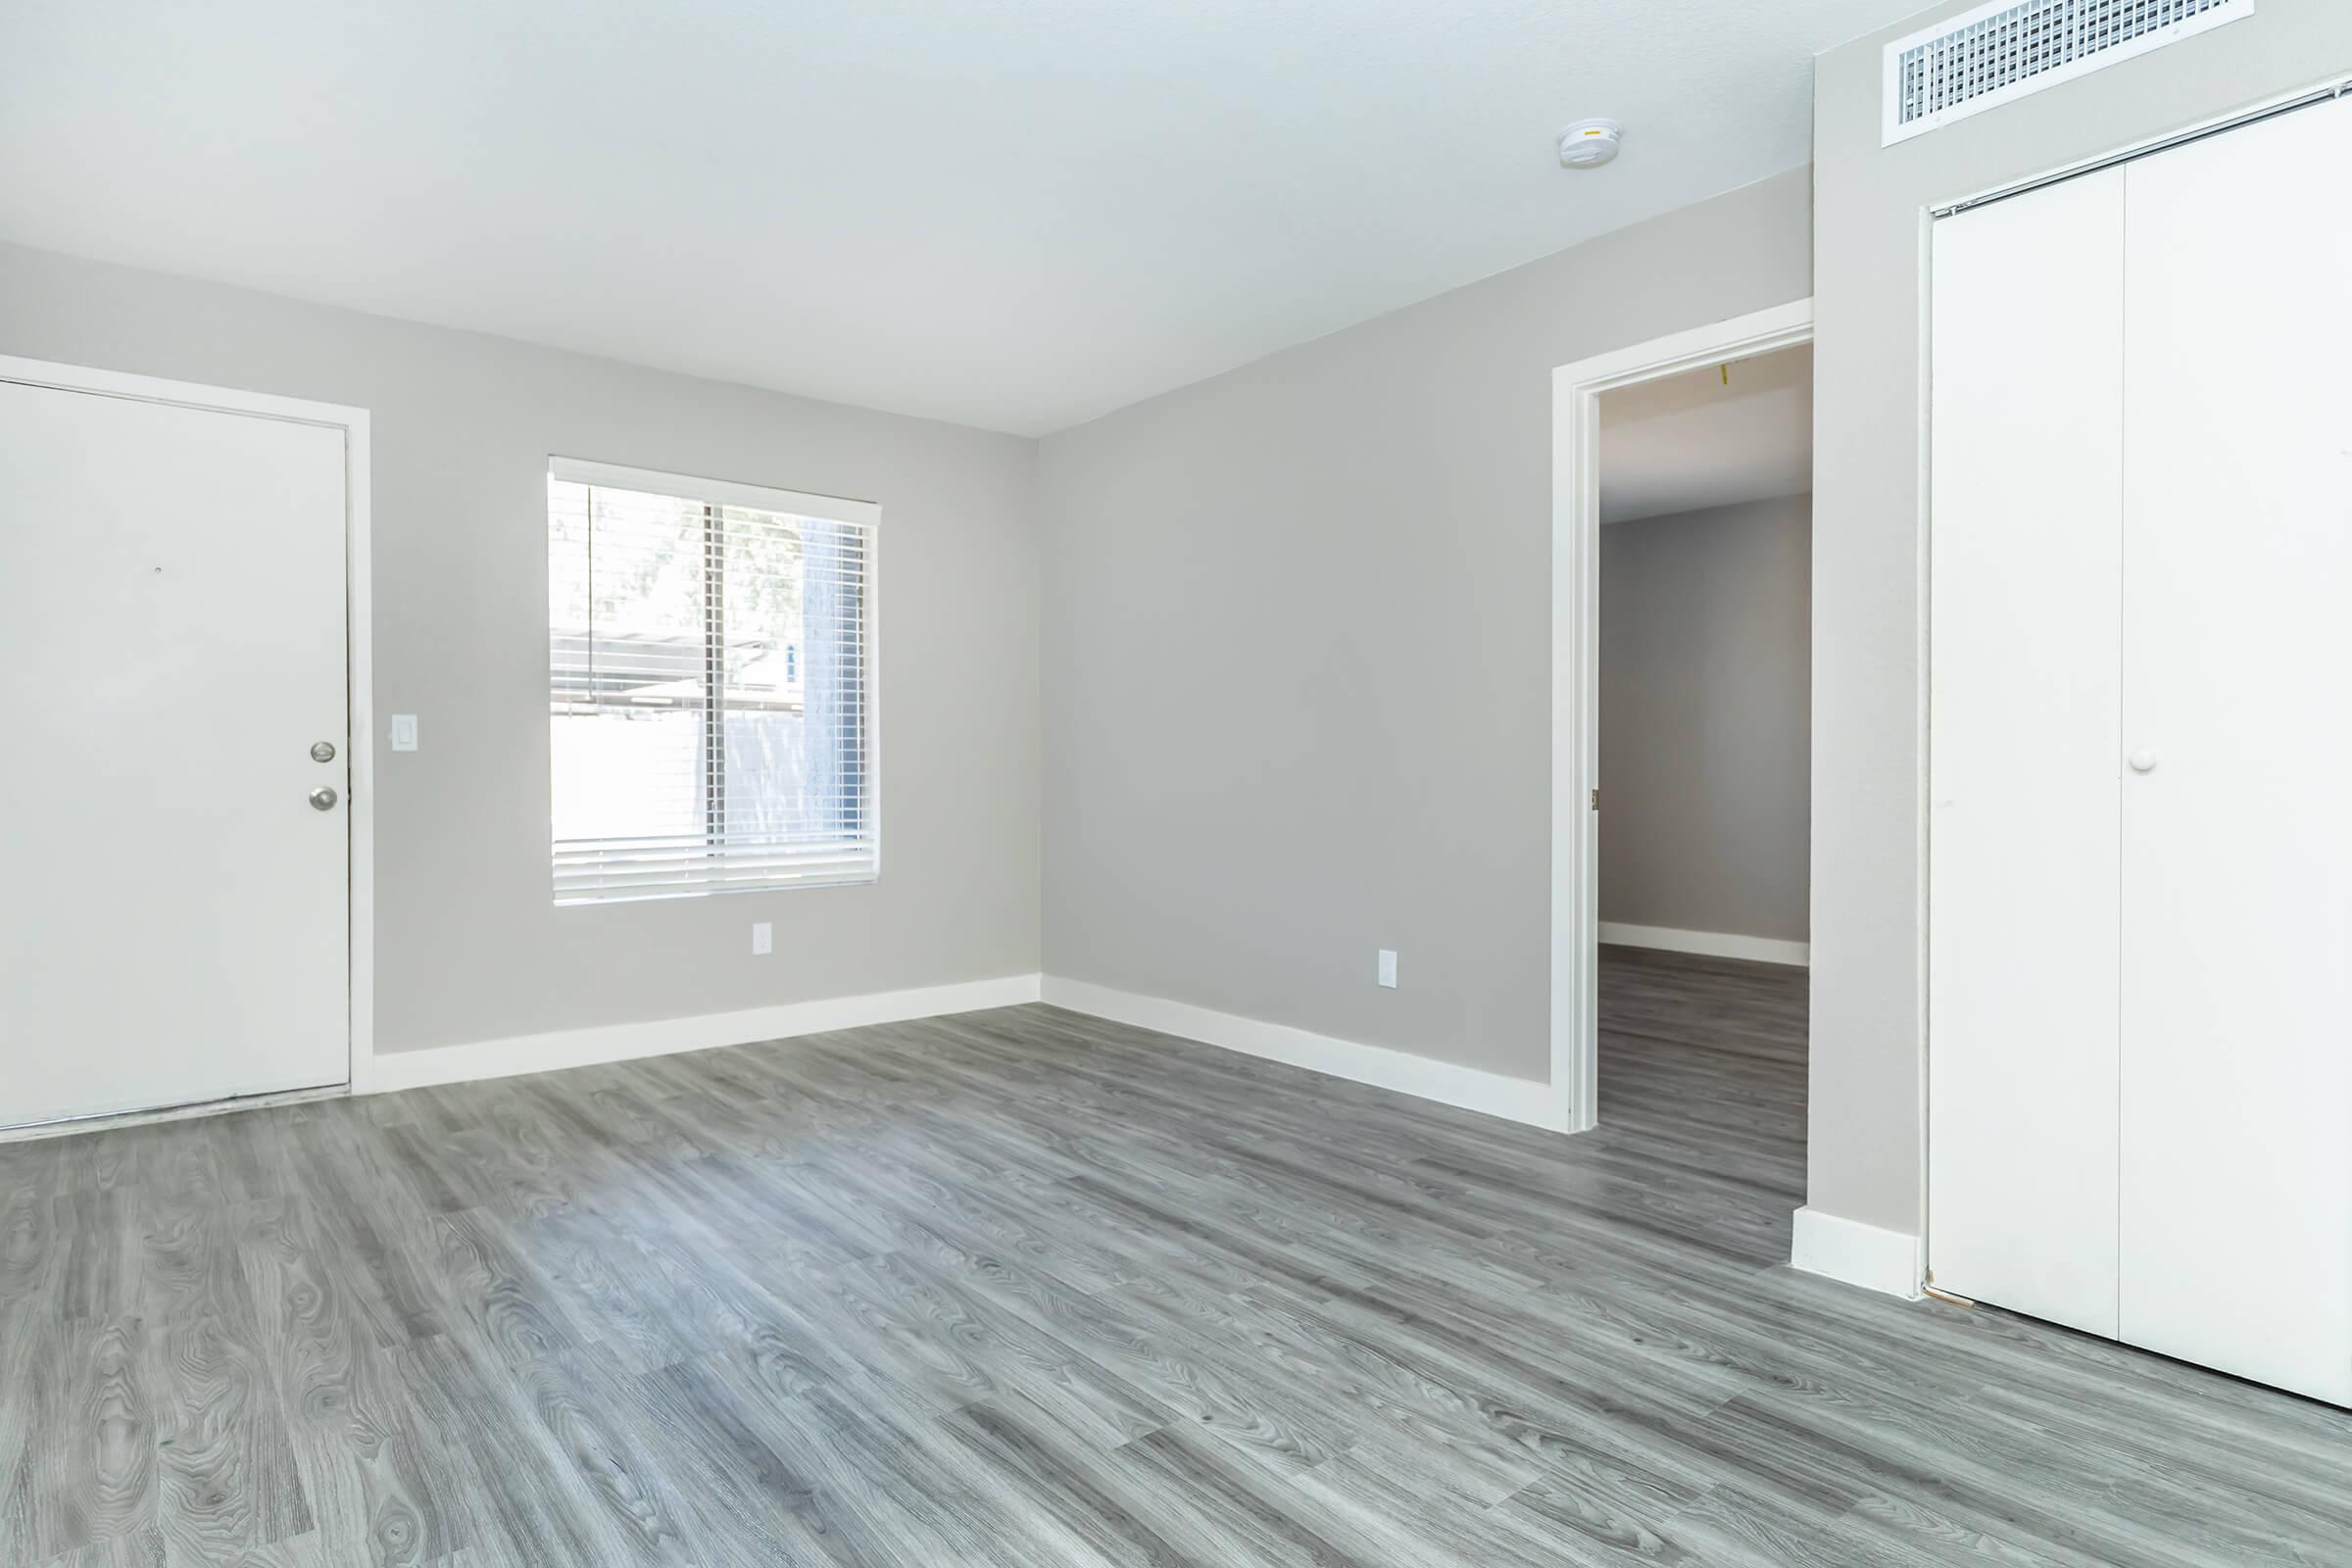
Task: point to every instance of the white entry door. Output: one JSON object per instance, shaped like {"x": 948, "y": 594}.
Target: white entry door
{"x": 172, "y": 647}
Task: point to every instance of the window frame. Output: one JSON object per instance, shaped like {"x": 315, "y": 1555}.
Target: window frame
{"x": 701, "y": 491}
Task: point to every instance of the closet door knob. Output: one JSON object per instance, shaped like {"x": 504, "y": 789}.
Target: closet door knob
{"x": 2143, "y": 761}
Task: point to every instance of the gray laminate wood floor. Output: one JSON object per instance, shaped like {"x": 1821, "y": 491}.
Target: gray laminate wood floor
{"x": 1025, "y": 1287}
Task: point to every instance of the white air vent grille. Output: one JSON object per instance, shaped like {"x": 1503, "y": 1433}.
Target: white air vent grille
{"x": 1983, "y": 58}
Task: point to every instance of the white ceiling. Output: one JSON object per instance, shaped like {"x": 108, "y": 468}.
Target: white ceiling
{"x": 1017, "y": 214}
{"x": 1691, "y": 440}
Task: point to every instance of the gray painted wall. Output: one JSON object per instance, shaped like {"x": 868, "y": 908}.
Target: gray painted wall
{"x": 469, "y": 946}
{"x": 1297, "y": 650}
{"x": 1705, "y": 654}
{"x": 1869, "y": 709}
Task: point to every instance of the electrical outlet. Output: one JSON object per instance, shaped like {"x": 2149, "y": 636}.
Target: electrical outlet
{"x": 1388, "y": 968}
{"x": 763, "y": 939}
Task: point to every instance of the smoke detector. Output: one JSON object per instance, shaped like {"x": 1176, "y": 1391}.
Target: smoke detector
{"x": 1589, "y": 143}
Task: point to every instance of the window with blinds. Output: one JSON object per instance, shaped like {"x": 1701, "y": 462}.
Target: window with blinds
{"x": 711, "y": 703}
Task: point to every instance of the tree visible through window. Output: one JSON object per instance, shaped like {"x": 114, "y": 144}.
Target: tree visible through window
{"x": 708, "y": 686}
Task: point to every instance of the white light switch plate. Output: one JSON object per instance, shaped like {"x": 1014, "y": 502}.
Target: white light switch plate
{"x": 763, "y": 939}
{"x": 1388, "y": 968}
{"x": 404, "y": 732}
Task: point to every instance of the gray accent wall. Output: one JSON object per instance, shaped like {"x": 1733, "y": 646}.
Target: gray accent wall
{"x": 1705, "y": 749}
{"x": 468, "y": 944}
{"x": 1297, "y": 650}
{"x": 1869, "y": 705}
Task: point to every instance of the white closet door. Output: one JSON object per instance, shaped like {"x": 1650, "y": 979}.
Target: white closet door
{"x": 2024, "y": 712}
{"x": 2236, "y": 1244}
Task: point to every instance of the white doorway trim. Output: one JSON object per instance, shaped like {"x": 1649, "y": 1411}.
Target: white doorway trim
{"x": 1576, "y": 391}
{"x": 361, "y": 796}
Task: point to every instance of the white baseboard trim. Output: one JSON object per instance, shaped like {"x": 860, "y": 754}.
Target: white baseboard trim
{"x": 1712, "y": 944}
{"x": 1861, "y": 1255}
{"x": 1519, "y": 1099}
{"x": 662, "y": 1037}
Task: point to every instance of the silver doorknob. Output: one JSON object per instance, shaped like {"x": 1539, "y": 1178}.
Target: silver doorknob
{"x": 2143, "y": 761}
{"x": 323, "y": 798}
{"x": 323, "y": 751}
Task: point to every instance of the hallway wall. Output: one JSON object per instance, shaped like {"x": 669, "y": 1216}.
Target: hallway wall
{"x": 1706, "y": 719}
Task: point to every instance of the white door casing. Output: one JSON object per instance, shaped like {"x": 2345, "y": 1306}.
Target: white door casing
{"x": 1575, "y": 392}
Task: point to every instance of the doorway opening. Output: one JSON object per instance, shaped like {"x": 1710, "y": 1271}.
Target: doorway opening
{"x": 1704, "y": 717}
{"x": 1683, "y": 757}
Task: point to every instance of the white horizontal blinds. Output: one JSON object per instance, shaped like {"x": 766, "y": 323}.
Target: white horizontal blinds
{"x": 710, "y": 689}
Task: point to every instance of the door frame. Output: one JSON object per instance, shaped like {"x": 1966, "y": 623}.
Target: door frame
{"x": 359, "y": 661}
{"x": 1576, "y": 391}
